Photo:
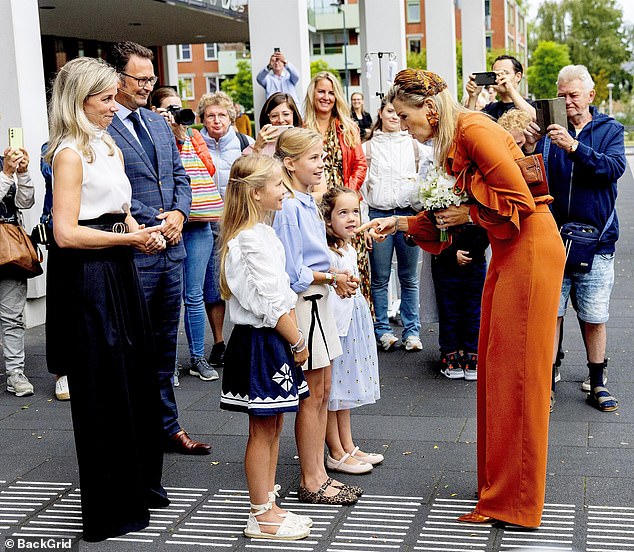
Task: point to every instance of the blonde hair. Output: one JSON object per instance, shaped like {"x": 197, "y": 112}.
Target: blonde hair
{"x": 78, "y": 80}
{"x": 341, "y": 110}
{"x": 293, "y": 143}
{"x": 220, "y": 99}
{"x": 514, "y": 119}
{"x": 448, "y": 110}
{"x": 248, "y": 174}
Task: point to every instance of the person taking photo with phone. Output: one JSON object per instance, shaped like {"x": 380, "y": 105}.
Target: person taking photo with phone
{"x": 509, "y": 73}
{"x": 279, "y": 76}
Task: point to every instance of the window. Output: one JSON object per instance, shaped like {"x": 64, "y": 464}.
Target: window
{"x": 489, "y": 41}
{"x": 510, "y": 12}
{"x": 413, "y": 11}
{"x": 487, "y": 7}
{"x": 211, "y": 51}
{"x": 213, "y": 83}
{"x": 186, "y": 87}
{"x": 414, "y": 45}
{"x": 333, "y": 43}
{"x": 184, "y": 52}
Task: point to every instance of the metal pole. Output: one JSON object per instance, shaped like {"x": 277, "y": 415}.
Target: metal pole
{"x": 610, "y": 87}
{"x": 345, "y": 50}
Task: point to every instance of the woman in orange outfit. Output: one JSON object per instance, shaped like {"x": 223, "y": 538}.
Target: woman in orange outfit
{"x": 521, "y": 293}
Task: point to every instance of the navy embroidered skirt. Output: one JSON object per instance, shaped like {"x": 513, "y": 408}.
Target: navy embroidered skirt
{"x": 260, "y": 377}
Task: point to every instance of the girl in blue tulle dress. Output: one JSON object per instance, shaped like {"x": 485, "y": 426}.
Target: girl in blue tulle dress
{"x": 355, "y": 374}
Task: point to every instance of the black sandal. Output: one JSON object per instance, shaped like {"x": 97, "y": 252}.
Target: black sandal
{"x": 601, "y": 399}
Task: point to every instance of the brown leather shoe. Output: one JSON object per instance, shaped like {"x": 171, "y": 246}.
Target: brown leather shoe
{"x": 182, "y": 443}
{"x": 474, "y": 517}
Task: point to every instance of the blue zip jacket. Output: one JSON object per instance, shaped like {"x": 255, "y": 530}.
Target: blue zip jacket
{"x": 583, "y": 183}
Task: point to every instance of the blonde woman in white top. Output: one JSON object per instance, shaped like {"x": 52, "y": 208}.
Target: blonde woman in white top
{"x": 97, "y": 324}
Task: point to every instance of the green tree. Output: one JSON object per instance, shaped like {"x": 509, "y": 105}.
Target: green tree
{"x": 594, "y": 32}
{"x": 547, "y": 61}
{"x": 417, "y": 60}
{"x": 320, "y": 65}
{"x": 240, "y": 86}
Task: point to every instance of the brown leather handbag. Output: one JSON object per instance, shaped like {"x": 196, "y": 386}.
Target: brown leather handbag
{"x": 18, "y": 256}
{"x": 534, "y": 173}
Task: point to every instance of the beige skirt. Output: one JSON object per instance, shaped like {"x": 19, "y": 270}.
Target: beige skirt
{"x": 317, "y": 323}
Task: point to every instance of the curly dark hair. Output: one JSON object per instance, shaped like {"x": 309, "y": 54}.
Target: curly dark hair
{"x": 122, "y": 52}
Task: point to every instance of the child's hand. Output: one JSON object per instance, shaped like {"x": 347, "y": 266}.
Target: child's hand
{"x": 346, "y": 285}
{"x": 301, "y": 357}
{"x": 463, "y": 257}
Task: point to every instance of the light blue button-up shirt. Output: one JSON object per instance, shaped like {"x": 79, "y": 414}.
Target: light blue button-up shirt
{"x": 303, "y": 234}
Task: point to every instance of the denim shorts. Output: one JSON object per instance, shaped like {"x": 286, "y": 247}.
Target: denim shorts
{"x": 590, "y": 293}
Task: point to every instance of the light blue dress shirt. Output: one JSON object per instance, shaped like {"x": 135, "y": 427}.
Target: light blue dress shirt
{"x": 303, "y": 234}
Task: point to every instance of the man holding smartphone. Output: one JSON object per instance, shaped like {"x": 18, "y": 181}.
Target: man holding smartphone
{"x": 509, "y": 73}
{"x": 279, "y": 76}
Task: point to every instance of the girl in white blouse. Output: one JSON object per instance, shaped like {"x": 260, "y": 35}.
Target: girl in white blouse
{"x": 262, "y": 374}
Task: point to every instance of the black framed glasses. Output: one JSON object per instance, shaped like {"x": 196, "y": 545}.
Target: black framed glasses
{"x": 143, "y": 81}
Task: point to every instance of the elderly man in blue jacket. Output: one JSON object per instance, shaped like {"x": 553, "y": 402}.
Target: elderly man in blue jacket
{"x": 584, "y": 163}
{"x": 161, "y": 194}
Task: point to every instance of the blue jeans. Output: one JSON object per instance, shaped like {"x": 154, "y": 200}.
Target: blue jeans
{"x": 458, "y": 295}
{"x": 199, "y": 242}
{"x": 211, "y": 290}
{"x": 407, "y": 265}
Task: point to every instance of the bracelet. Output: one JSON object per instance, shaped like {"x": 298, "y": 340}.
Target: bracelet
{"x": 301, "y": 336}
{"x": 334, "y": 280}
{"x": 395, "y": 217}
{"x": 299, "y": 346}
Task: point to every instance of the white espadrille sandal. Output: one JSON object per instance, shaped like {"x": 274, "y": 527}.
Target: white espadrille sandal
{"x": 287, "y": 529}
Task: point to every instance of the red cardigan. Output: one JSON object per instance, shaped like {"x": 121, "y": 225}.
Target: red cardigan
{"x": 355, "y": 165}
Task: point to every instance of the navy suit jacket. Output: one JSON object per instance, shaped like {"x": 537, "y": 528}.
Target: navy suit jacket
{"x": 154, "y": 193}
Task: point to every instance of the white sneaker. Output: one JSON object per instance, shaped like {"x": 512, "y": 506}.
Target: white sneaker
{"x": 413, "y": 343}
{"x": 19, "y": 385}
{"x": 388, "y": 341}
{"x": 62, "y": 393}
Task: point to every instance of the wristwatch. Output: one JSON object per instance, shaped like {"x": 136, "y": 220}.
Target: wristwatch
{"x": 328, "y": 277}
{"x": 573, "y": 146}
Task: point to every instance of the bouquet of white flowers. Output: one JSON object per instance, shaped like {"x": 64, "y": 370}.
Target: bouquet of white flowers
{"x": 437, "y": 192}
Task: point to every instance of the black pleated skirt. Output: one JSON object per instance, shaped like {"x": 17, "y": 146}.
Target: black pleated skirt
{"x": 98, "y": 332}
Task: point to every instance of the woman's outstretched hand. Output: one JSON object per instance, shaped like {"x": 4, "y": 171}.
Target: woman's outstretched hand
{"x": 378, "y": 228}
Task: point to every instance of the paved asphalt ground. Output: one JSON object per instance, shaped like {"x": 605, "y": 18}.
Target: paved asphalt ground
{"x": 424, "y": 424}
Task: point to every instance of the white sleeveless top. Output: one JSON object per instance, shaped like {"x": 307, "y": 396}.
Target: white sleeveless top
{"x": 105, "y": 188}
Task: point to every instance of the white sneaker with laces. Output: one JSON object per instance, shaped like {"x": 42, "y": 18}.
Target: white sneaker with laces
{"x": 387, "y": 341}
{"x": 62, "y": 393}
{"x": 19, "y": 385}
{"x": 413, "y": 343}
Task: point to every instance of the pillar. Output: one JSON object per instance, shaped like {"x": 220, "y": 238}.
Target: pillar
{"x": 23, "y": 104}
{"x": 440, "y": 30}
{"x": 382, "y": 29}
{"x": 473, "y": 39}
{"x": 279, "y": 24}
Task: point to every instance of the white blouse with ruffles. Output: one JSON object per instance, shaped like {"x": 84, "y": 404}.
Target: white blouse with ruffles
{"x": 255, "y": 272}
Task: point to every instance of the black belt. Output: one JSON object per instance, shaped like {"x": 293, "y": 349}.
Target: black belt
{"x": 314, "y": 317}
{"x": 114, "y": 223}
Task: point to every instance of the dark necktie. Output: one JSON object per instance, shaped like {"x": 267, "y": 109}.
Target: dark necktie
{"x": 143, "y": 137}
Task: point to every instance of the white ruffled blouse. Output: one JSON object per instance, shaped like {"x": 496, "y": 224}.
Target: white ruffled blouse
{"x": 255, "y": 271}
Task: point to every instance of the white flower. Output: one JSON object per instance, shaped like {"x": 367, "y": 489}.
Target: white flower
{"x": 436, "y": 191}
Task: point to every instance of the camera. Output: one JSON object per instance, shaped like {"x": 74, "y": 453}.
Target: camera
{"x": 487, "y": 78}
{"x": 182, "y": 115}
{"x": 276, "y": 50}
{"x": 549, "y": 112}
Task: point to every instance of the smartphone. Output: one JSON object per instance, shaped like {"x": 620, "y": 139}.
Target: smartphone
{"x": 549, "y": 112}
{"x": 276, "y": 50}
{"x": 486, "y": 78}
{"x": 16, "y": 138}
{"x": 282, "y": 128}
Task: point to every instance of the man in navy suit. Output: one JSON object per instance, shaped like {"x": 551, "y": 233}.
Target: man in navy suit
{"x": 161, "y": 193}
